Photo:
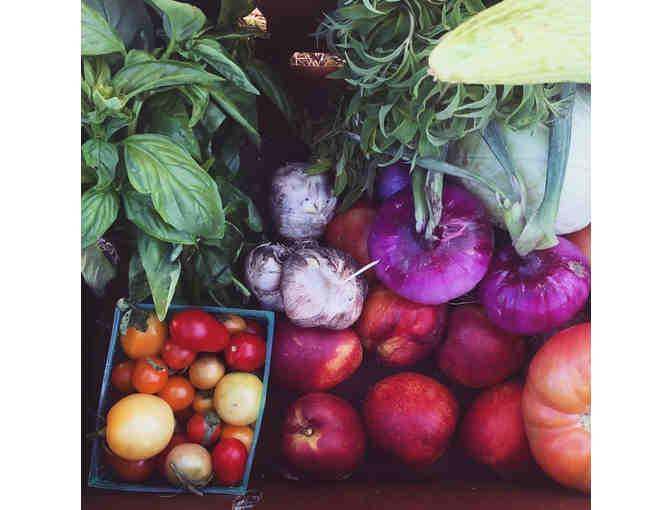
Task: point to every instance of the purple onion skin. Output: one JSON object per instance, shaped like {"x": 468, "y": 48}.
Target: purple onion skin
{"x": 391, "y": 179}
{"x": 448, "y": 269}
{"x": 536, "y": 293}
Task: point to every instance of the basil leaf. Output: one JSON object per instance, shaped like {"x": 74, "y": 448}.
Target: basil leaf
{"x": 97, "y": 270}
{"x": 103, "y": 157}
{"x": 216, "y": 56}
{"x": 262, "y": 76}
{"x": 139, "y": 210}
{"x": 199, "y": 98}
{"x": 98, "y": 37}
{"x": 136, "y": 78}
{"x": 213, "y": 267}
{"x": 99, "y": 210}
{"x": 138, "y": 286}
{"x": 138, "y": 57}
{"x": 162, "y": 274}
{"x": 237, "y": 201}
{"x": 212, "y": 119}
{"x": 114, "y": 125}
{"x": 180, "y": 20}
{"x": 184, "y": 194}
{"x": 168, "y": 116}
{"x": 229, "y": 150}
{"x": 130, "y": 20}
{"x": 239, "y": 106}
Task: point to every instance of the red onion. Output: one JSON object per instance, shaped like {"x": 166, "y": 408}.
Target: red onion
{"x": 392, "y": 179}
{"x": 537, "y": 292}
{"x": 432, "y": 272}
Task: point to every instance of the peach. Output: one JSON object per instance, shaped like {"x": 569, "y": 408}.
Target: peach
{"x": 411, "y": 416}
{"x": 313, "y": 359}
{"x": 493, "y": 432}
{"x": 323, "y": 436}
{"x": 349, "y": 231}
{"x": 476, "y": 353}
{"x": 399, "y": 331}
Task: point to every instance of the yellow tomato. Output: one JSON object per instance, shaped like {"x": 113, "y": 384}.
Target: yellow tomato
{"x": 238, "y": 397}
{"x": 139, "y": 426}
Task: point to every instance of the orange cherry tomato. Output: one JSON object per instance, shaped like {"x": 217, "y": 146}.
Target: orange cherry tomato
{"x": 140, "y": 344}
{"x": 203, "y": 401}
{"x": 122, "y": 376}
{"x": 150, "y": 375}
{"x": 178, "y": 392}
{"x": 243, "y": 433}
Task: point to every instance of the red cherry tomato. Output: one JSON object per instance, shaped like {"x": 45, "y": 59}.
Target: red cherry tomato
{"x": 150, "y": 375}
{"x": 177, "y": 439}
{"x": 129, "y": 470}
{"x": 229, "y": 459}
{"x": 245, "y": 352}
{"x": 198, "y": 331}
{"x": 204, "y": 428}
{"x": 122, "y": 376}
{"x": 255, "y": 328}
{"x": 176, "y": 356}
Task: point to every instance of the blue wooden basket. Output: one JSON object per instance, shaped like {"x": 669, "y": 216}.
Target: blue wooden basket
{"x": 101, "y": 476}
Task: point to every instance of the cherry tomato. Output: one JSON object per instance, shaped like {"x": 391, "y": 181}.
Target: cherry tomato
{"x": 178, "y": 392}
{"x": 176, "y": 356}
{"x": 233, "y": 323}
{"x": 199, "y": 331}
{"x": 245, "y": 352}
{"x": 129, "y": 470}
{"x": 206, "y": 372}
{"x": 255, "y": 328}
{"x": 122, "y": 376}
{"x": 150, "y": 375}
{"x": 137, "y": 343}
{"x": 204, "y": 428}
{"x": 243, "y": 433}
{"x": 203, "y": 401}
{"x": 229, "y": 459}
{"x": 177, "y": 439}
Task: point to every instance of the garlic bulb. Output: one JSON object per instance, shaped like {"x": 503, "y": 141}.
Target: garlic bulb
{"x": 319, "y": 288}
{"x": 263, "y": 269}
{"x": 301, "y": 205}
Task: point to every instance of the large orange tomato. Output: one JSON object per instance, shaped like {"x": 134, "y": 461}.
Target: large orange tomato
{"x": 556, "y": 407}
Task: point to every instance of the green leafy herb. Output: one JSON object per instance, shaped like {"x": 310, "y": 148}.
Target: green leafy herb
{"x": 99, "y": 210}
{"x": 98, "y": 37}
{"x": 393, "y": 105}
{"x": 185, "y": 196}
{"x": 97, "y": 270}
{"x": 179, "y": 112}
{"x": 103, "y": 157}
{"x": 162, "y": 273}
